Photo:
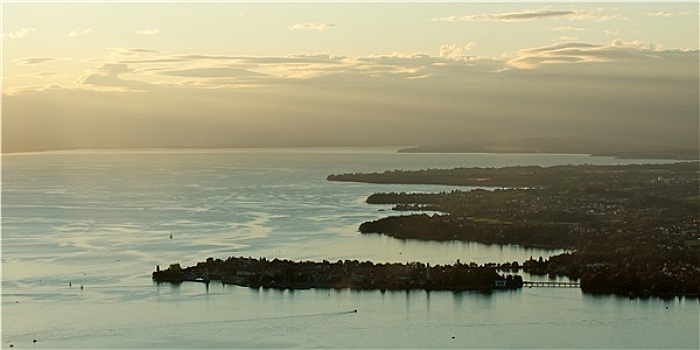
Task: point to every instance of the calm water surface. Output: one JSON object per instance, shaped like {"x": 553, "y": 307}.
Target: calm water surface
{"x": 103, "y": 220}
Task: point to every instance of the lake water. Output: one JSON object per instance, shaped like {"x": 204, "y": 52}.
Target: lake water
{"x": 103, "y": 219}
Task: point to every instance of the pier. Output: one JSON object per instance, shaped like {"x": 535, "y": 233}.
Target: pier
{"x": 551, "y": 284}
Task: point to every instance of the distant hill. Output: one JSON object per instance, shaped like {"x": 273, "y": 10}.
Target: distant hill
{"x": 560, "y": 146}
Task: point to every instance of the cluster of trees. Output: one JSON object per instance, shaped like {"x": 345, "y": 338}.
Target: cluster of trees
{"x": 172, "y": 274}
{"x": 443, "y": 228}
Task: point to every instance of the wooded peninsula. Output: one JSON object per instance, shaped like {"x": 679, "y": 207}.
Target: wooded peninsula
{"x": 631, "y": 229}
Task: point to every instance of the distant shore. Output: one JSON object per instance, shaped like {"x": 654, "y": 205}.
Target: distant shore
{"x": 663, "y": 154}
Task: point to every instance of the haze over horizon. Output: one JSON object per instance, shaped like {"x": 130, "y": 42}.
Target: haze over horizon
{"x": 238, "y": 74}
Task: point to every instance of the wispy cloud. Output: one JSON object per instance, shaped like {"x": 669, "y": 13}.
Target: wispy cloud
{"x": 45, "y": 74}
{"x": 615, "y": 51}
{"x": 121, "y": 51}
{"x": 568, "y": 38}
{"x": 32, "y": 60}
{"x": 76, "y": 33}
{"x": 518, "y": 16}
{"x": 109, "y": 76}
{"x": 567, "y": 28}
{"x": 211, "y": 72}
{"x": 634, "y": 44}
{"x": 454, "y": 52}
{"x": 667, "y": 14}
{"x": 148, "y": 31}
{"x": 661, "y": 14}
{"x": 313, "y": 26}
{"x": 21, "y": 33}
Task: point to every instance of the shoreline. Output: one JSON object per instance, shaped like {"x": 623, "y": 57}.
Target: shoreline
{"x": 671, "y": 155}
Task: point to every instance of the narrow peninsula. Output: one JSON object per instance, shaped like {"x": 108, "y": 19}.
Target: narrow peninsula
{"x": 286, "y": 274}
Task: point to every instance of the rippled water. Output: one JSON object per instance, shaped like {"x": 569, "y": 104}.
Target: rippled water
{"x": 103, "y": 220}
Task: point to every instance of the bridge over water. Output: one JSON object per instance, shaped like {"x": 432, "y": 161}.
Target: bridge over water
{"x": 551, "y": 284}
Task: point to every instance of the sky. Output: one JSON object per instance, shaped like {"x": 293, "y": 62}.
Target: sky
{"x": 277, "y": 74}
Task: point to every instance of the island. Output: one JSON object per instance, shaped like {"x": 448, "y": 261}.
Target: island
{"x": 353, "y": 274}
{"x": 630, "y": 229}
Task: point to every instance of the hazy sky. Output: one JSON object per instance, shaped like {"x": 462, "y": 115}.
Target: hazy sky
{"x": 189, "y": 74}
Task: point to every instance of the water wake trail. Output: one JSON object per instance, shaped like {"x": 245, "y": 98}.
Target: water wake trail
{"x": 282, "y": 317}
